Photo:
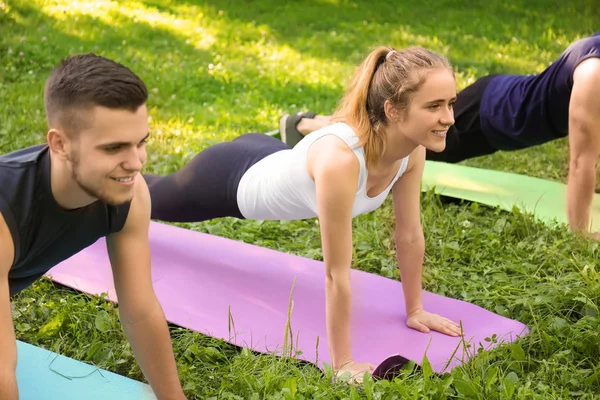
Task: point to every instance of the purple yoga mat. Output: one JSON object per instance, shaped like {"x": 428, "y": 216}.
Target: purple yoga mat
{"x": 240, "y": 293}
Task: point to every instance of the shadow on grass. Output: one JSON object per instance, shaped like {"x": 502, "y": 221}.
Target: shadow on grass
{"x": 164, "y": 59}
{"x": 220, "y": 76}
{"x": 345, "y": 30}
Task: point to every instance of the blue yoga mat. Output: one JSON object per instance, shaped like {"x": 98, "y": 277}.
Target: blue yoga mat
{"x": 44, "y": 375}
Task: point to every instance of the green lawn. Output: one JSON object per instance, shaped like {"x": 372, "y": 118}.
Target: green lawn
{"x": 216, "y": 69}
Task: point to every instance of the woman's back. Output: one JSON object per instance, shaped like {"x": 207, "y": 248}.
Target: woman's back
{"x": 279, "y": 186}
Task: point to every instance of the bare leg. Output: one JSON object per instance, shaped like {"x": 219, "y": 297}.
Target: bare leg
{"x": 308, "y": 125}
{"x": 293, "y": 127}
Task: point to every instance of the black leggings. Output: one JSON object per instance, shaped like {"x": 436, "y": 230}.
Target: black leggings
{"x": 206, "y": 187}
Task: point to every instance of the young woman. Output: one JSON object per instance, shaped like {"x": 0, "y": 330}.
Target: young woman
{"x": 398, "y": 104}
{"x": 513, "y": 112}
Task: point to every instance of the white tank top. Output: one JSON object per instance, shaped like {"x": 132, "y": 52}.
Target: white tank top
{"x": 278, "y": 187}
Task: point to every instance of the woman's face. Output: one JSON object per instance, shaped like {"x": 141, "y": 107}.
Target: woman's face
{"x": 430, "y": 112}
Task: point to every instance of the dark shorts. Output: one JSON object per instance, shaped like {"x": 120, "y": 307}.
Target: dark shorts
{"x": 465, "y": 139}
{"x": 206, "y": 187}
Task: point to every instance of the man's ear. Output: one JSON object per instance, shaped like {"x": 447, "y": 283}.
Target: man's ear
{"x": 59, "y": 143}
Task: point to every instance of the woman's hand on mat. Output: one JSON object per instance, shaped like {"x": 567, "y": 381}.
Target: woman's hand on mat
{"x": 424, "y": 321}
{"x": 355, "y": 370}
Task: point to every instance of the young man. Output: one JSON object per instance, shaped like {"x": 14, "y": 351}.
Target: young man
{"x": 60, "y": 197}
{"x": 511, "y": 112}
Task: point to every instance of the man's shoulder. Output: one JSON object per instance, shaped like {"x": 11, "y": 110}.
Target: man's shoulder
{"x": 7, "y": 247}
{"x": 19, "y": 183}
{"x": 588, "y": 71}
{"x": 23, "y": 157}
{"x": 18, "y": 170}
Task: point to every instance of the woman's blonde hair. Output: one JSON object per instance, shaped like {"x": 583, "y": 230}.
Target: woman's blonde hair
{"x": 386, "y": 74}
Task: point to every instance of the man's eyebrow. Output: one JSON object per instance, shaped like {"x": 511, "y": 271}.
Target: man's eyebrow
{"x": 118, "y": 144}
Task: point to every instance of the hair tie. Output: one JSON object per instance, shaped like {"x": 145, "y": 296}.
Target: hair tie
{"x": 387, "y": 57}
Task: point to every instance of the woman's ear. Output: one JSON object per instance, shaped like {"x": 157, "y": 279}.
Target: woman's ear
{"x": 391, "y": 112}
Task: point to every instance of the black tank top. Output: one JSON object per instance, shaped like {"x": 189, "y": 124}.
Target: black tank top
{"x": 519, "y": 111}
{"x": 44, "y": 234}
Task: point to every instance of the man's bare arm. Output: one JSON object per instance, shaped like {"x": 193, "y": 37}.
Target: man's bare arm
{"x": 8, "y": 346}
{"x": 584, "y": 143}
{"x": 142, "y": 316}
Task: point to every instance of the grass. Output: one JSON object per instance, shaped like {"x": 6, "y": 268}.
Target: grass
{"x": 218, "y": 69}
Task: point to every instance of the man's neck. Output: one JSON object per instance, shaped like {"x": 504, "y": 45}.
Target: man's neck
{"x": 67, "y": 194}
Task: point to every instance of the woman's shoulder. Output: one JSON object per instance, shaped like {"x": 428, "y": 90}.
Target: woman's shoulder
{"x": 333, "y": 153}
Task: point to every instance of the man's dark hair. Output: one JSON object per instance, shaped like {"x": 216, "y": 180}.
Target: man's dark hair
{"x": 84, "y": 81}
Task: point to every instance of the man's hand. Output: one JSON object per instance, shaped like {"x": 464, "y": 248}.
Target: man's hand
{"x": 424, "y": 321}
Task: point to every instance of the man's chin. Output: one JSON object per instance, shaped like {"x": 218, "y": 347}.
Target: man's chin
{"x": 116, "y": 201}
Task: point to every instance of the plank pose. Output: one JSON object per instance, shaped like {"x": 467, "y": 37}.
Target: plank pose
{"x": 398, "y": 104}
{"x": 58, "y": 198}
{"x": 512, "y": 112}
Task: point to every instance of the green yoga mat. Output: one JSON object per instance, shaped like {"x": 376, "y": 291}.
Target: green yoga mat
{"x": 545, "y": 199}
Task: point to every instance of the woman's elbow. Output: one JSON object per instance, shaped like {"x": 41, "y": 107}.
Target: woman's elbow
{"x": 410, "y": 238}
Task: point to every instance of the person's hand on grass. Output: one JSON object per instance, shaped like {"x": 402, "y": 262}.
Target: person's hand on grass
{"x": 424, "y": 321}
